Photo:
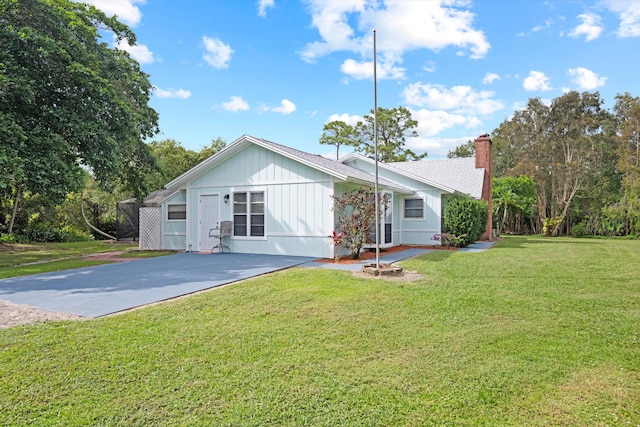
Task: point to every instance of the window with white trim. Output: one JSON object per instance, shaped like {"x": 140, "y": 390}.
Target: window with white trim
{"x": 177, "y": 212}
{"x": 413, "y": 208}
{"x": 248, "y": 214}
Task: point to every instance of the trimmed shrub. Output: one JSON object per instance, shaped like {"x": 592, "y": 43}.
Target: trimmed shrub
{"x": 465, "y": 216}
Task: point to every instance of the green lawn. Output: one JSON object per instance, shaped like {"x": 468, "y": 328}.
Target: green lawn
{"x": 536, "y": 332}
{"x": 21, "y": 260}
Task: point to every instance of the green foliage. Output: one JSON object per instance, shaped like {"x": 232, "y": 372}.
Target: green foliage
{"x": 467, "y": 218}
{"x": 449, "y": 240}
{"x": 63, "y": 235}
{"x": 565, "y": 147}
{"x": 627, "y": 111}
{"x": 173, "y": 159}
{"x": 209, "y": 150}
{"x": 550, "y": 226}
{"x": 514, "y": 199}
{"x": 338, "y": 133}
{"x": 579, "y": 230}
{"x": 394, "y": 125}
{"x": 69, "y": 102}
{"x": 612, "y": 221}
{"x": 464, "y": 150}
{"x": 356, "y": 211}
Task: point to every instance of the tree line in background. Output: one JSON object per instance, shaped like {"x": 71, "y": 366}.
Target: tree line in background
{"x": 74, "y": 121}
{"x": 568, "y": 168}
{"x": 38, "y": 219}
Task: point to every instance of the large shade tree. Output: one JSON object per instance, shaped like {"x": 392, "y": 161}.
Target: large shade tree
{"x": 69, "y": 102}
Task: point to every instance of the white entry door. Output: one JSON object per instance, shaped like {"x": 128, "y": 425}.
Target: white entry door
{"x": 208, "y": 210}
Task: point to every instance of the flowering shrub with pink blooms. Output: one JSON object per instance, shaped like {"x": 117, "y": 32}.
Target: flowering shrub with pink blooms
{"x": 356, "y": 217}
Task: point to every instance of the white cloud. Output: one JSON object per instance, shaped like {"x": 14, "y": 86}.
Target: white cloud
{"x": 442, "y": 108}
{"x": 490, "y": 78}
{"x": 217, "y": 54}
{"x": 536, "y": 81}
{"x": 430, "y": 67}
{"x": 236, "y": 103}
{"x": 347, "y": 26}
{"x": 286, "y": 107}
{"x": 172, "y": 93}
{"x": 629, "y": 13}
{"x": 460, "y": 99}
{"x": 547, "y": 24}
{"x": 126, "y": 10}
{"x": 432, "y": 122}
{"x": 591, "y": 27}
{"x": 263, "y": 5}
{"x": 585, "y": 78}
{"x": 347, "y": 118}
{"x": 364, "y": 70}
{"x": 436, "y": 147}
{"x": 139, "y": 52}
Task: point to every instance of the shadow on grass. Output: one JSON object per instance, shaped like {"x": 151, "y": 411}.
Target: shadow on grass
{"x": 510, "y": 242}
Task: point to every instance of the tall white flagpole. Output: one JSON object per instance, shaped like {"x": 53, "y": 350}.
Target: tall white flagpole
{"x": 375, "y": 143}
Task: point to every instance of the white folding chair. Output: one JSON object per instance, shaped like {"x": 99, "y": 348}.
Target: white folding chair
{"x": 220, "y": 234}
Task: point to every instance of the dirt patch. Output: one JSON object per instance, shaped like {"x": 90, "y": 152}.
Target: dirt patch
{"x": 110, "y": 256}
{"x": 20, "y": 314}
{"x": 405, "y": 276}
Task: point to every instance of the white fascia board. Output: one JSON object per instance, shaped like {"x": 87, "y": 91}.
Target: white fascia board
{"x": 398, "y": 188}
{"x": 441, "y": 187}
{"x": 169, "y": 197}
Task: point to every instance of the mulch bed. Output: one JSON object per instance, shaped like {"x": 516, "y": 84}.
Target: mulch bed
{"x": 371, "y": 253}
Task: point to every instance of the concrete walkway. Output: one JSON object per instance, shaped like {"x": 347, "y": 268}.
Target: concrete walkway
{"x": 106, "y": 289}
{"x": 395, "y": 257}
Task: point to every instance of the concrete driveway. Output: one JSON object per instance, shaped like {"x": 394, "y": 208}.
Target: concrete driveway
{"x": 106, "y": 289}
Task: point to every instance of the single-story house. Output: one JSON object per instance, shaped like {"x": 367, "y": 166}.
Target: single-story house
{"x": 279, "y": 198}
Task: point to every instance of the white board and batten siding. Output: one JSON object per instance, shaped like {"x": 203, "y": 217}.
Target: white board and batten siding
{"x": 174, "y": 231}
{"x": 298, "y": 216}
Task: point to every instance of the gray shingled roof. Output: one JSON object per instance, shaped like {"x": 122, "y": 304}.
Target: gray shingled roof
{"x": 459, "y": 174}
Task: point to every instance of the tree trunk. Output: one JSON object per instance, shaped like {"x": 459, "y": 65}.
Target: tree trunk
{"x": 15, "y": 211}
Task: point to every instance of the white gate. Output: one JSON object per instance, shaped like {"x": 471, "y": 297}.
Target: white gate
{"x": 150, "y": 229}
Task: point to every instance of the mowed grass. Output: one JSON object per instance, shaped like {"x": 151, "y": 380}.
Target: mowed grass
{"x": 536, "y": 332}
{"x": 22, "y": 259}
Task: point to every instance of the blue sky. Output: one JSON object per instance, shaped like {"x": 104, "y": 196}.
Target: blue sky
{"x": 281, "y": 69}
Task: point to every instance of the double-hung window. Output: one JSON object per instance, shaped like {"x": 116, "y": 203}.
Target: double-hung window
{"x": 413, "y": 208}
{"x": 248, "y": 214}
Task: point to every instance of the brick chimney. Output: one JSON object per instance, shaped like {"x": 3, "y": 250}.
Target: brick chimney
{"x": 484, "y": 160}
